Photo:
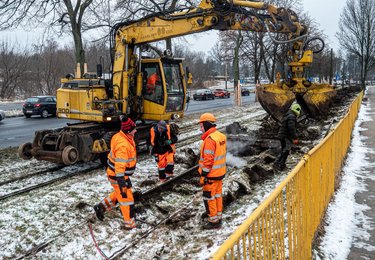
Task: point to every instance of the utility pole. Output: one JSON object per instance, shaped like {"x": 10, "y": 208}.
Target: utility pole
{"x": 226, "y": 75}
{"x": 331, "y": 68}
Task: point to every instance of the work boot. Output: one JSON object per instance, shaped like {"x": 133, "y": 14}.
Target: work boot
{"x": 204, "y": 216}
{"x": 99, "y": 211}
{"x": 212, "y": 225}
{"x": 124, "y": 227}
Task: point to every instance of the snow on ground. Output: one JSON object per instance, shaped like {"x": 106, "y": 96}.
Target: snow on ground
{"x": 345, "y": 219}
{"x": 55, "y": 213}
{"x": 43, "y": 214}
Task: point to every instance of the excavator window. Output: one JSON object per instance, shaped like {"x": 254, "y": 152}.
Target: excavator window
{"x": 152, "y": 87}
{"x": 175, "y": 90}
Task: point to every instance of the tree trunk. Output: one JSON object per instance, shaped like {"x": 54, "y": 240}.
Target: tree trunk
{"x": 236, "y": 67}
{"x": 79, "y": 50}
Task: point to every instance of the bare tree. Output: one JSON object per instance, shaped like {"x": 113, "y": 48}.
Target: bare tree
{"x": 65, "y": 16}
{"x": 357, "y": 33}
{"x": 13, "y": 64}
{"x": 49, "y": 63}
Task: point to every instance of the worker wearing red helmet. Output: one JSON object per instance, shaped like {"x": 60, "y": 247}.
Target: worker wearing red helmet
{"x": 121, "y": 165}
{"x": 212, "y": 169}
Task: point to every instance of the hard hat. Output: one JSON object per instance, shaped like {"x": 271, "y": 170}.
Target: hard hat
{"x": 296, "y": 108}
{"x": 207, "y": 117}
{"x": 162, "y": 125}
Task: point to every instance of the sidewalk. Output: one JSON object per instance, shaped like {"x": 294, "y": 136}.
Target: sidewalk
{"x": 364, "y": 247}
{"x": 349, "y": 224}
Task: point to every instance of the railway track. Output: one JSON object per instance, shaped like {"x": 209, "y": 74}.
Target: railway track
{"x": 91, "y": 217}
{"x": 184, "y": 141}
{"x": 60, "y": 176}
{"x": 56, "y": 168}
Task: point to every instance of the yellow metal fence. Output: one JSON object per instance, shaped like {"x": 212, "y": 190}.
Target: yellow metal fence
{"x": 283, "y": 226}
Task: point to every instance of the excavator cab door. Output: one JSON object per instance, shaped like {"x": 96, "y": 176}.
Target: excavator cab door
{"x": 174, "y": 81}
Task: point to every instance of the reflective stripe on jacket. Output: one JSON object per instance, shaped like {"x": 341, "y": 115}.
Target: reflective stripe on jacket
{"x": 122, "y": 158}
{"x": 212, "y": 162}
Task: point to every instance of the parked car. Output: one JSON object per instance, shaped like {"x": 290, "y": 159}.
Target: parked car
{"x": 245, "y": 91}
{"x": 2, "y": 115}
{"x": 221, "y": 93}
{"x": 40, "y": 105}
{"x": 203, "y": 94}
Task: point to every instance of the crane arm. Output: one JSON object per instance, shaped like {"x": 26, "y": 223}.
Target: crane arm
{"x": 209, "y": 15}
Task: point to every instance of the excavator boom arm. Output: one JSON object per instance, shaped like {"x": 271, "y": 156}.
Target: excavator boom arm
{"x": 209, "y": 15}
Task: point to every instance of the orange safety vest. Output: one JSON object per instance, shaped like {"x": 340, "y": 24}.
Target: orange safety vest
{"x": 152, "y": 134}
{"x": 152, "y": 79}
{"x": 122, "y": 158}
{"x": 212, "y": 162}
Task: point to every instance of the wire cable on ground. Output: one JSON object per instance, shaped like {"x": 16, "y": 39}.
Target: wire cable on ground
{"x": 95, "y": 243}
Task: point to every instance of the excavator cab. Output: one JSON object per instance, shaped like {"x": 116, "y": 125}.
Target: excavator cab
{"x": 163, "y": 89}
{"x": 162, "y": 94}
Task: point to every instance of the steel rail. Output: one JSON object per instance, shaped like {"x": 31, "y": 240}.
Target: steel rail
{"x": 89, "y": 218}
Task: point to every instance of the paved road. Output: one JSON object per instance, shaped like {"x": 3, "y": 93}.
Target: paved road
{"x": 17, "y": 130}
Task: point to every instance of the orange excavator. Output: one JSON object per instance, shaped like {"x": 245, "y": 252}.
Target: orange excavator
{"x": 99, "y": 102}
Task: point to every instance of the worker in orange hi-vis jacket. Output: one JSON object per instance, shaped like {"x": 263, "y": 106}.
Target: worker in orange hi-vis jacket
{"x": 152, "y": 81}
{"x": 122, "y": 161}
{"x": 212, "y": 169}
{"x": 163, "y": 149}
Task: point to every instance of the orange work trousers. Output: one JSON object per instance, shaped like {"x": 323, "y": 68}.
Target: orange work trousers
{"x": 166, "y": 165}
{"x": 126, "y": 202}
{"x": 213, "y": 200}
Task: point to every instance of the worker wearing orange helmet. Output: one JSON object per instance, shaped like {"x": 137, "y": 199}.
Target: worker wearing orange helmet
{"x": 121, "y": 165}
{"x": 212, "y": 169}
{"x": 163, "y": 148}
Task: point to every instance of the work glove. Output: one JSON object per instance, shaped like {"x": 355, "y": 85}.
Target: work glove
{"x": 156, "y": 157}
{"x": 128, "y": 183}
{"x": 295, "y": 141}
{"x": 203, "y": 180}
{"x": 167, "y": 142}
{"x": 122, "y": 185}
{"x": 151, "y": 148}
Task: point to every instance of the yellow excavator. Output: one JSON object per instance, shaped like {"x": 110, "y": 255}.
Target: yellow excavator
{"x": 150, "y": 89}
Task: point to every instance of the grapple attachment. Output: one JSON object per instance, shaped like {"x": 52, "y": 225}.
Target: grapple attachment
{"x": 314, "y": 98}
{"x": 276, "y": 99}
{"x": 318, "y": 99}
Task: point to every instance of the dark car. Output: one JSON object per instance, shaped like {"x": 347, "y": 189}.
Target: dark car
{"x": 221, "y": 93}
{"x": 2, "y": 115}
{"x": 245, "y": 92}
{"x": 40, "y": 105}
{"x": 203, "y": 94}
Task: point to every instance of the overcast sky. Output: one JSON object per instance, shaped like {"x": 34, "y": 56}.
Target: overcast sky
{"x": 325, "y": 12}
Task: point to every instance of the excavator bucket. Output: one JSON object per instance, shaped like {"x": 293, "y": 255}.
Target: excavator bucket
{"x": 276, "y": 100}
{"x": 318, "y": 98}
